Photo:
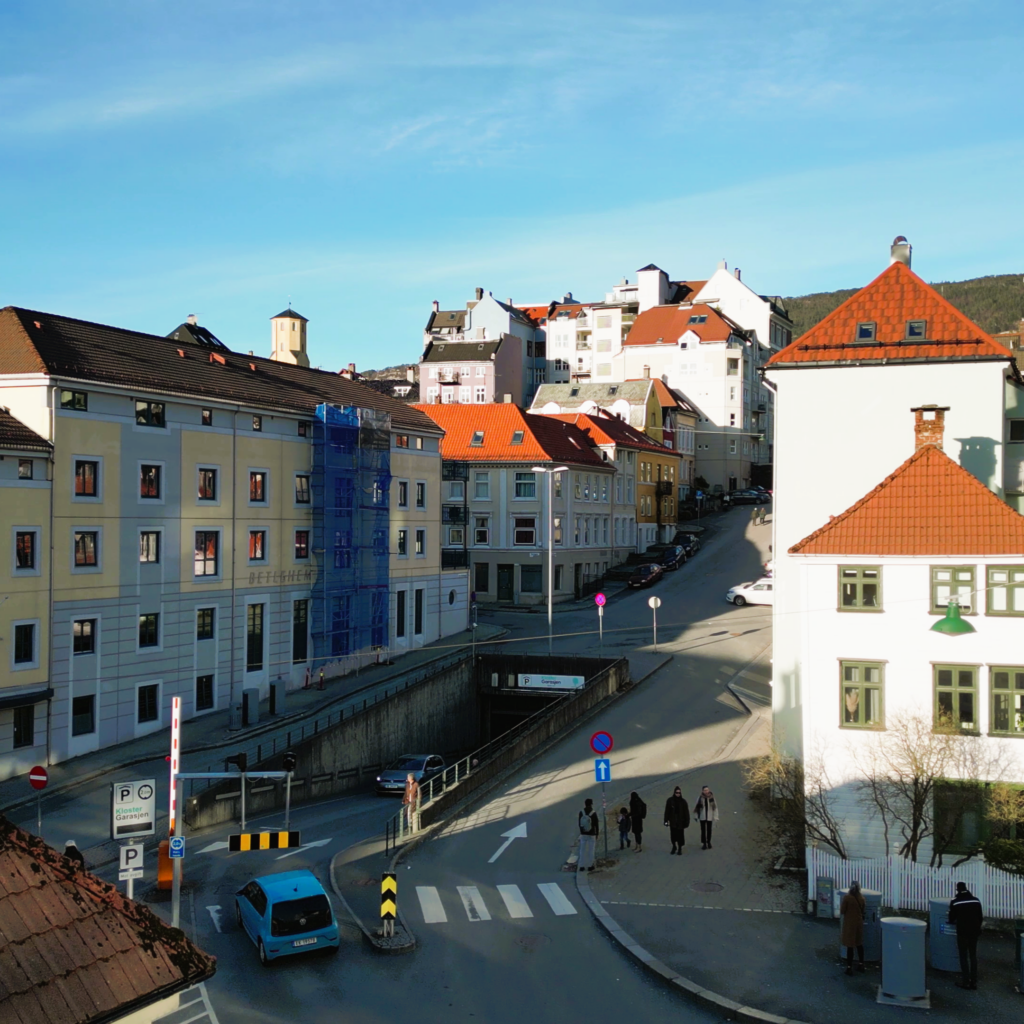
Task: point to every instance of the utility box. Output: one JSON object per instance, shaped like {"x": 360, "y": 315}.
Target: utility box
{"x": 872, "y": 923}
{"x": 903, "y": 970}
{"x": 251, "y": 706}
{"x": 824, "y": 888}
{"x": 277, "y": 697}
{"x": 943, "y": 952}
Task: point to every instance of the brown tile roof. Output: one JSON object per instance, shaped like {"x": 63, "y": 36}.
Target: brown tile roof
{"x": 447, "y": 319}
{"x": 545, "y": 439}
{"x": 32, "y": 342}
{"x": 72, "y": 948}
{"x": 667, "y": 324}
{"x": 896, "y": 296}
{"x": 611, "y": 430}
{"x": 442, "y": 351}
{"x": 15, "y": 435}
{"x": 928, "y": 506}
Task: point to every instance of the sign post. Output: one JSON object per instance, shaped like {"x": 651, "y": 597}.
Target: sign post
{"x": 654, "y": 603}
{"x": 131, "y": 866}
{"x": 133, "y": 809}
{"x": 388, "y": 902}
{"x": 601, "y": 743}
{"x": 600, "y": 600}
{"x": 38, "y": 778}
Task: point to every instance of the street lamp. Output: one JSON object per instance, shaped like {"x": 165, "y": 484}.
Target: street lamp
{"x": 550, "y": 472}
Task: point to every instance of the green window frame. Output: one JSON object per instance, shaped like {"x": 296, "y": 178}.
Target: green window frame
{"x": 861, "y": 694}
{"x": 956, "y": 696}
{"x": 860, "y": 588}
{"x": 950, "y": 580}
{"x": 1005, "y": 590}
{"x": 1006, "y": 690}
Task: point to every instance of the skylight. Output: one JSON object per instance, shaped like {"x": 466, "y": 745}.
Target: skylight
{"x": 573, "y": 392}
{"x": 478, "y": 438}
{"x": 517, "y": 437}
{"x": 699, "y": 319}
{"x": 614, "y": 389}
{"x": 866, "y": 331}
{"x": 915, "y": 329}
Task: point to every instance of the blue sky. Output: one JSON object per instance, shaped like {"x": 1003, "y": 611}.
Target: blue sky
{"x": 158, "y": 159}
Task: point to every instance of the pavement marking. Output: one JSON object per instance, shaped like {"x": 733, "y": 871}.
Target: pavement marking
{"x": 557, "y": 900}
{"x": 215, "y": 913}
{"x": 430, "y": 904}
{"x": 515, "y": 901}
{"x": 476, "y": 909}
{"x": 698, "y": 906}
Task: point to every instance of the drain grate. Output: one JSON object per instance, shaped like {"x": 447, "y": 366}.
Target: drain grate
{"x": 707, "y": 887}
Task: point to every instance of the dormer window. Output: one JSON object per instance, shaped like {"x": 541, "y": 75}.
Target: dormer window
{"x": 915, "y": 330}
{"x": 517, "y": 437}
{"x": 866, "y": 331}
{"x": 478, "y": 439}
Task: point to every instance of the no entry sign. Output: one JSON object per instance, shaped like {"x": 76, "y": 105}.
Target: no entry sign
{"x": 601, "y": 742}
{"x": 38, "y": 777}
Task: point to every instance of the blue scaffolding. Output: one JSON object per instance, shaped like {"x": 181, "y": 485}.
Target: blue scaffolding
{"x": 350, "y": 487}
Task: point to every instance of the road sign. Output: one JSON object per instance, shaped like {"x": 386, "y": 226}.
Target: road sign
{"x": 654, "y": 602}
{"x": 551, "y": 682}
{"x": 131, "y": 857}
{"x": 176, "y": 849}
{"x": 603, "y": 769}
{"x": 130, "y": 874}
{"x": 601, "y": 742}
{"x": 264, "y": 841}
{"x": 133, "y": 809}
{"x": 600, "y": 600}
{"x": 38, "y": 777}
{"x": 388, "y": 900}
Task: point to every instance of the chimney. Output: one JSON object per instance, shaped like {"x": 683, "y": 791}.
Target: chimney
{"x": 479, "y": 294}
{"x": 900, "y": 251}
{"x": 647, "y": 373}
{"x": 436, "y": 306}
{"x": 509, "y": 303}
{"x": 737, "y": 273}
{"x": 929, "y": 424}
{"x": 722, "y": 265}
{"x": 192, "y": 319}
{"x": 410, "y": 374}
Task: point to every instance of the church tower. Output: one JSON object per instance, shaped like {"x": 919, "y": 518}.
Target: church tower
{"x": 288, "y": 338}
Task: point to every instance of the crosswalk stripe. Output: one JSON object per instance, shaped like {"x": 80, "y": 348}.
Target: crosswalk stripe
{"x": 430, "y": 904}
{"x": 476, "y": 909}
{"x": 557, "y": 899}
{"x": 514, "y": 901}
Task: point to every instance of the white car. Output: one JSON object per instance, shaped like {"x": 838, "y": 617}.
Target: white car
{"x": 758, "y": 592}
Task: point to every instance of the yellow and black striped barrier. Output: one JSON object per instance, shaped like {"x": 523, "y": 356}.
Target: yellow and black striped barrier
{"x": 264, "y": 841}
{"x": 388, "y": 896}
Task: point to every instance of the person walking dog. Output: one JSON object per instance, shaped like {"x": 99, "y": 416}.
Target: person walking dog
{"x": 706, "y": 811}
{"x": 677, "y": 820}
{"x": 965, "y": 912}
{"x": 637, "y": 813}
{"x": 852, "y": 933}
{"x": 589, "y": 830}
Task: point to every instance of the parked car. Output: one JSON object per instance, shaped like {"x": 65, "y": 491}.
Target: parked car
{"x": 645, "y": 575}
{"x": 672, "y": 557}
{"x": 690, "y": 543}
{"x": 757, "y": 592}
{"x": 286, "y": 913}
{"x": 746, "y": 497}
{"x": 391, "y": 781}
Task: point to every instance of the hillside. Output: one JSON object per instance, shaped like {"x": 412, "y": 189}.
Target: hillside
{"x": 994, "y": 303}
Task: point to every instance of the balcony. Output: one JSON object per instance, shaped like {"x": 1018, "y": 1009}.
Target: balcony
{"x": 453, "y": 514}
{"x": 451, "y": 470}
{"x": 454, "y": 558}
{"x": 663, "y": 488}
{"x": 448, "y": 378}
{"x": 582, "y": 346}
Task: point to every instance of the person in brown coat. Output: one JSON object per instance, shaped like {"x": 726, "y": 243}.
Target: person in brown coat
{"x": 852, "y": 932}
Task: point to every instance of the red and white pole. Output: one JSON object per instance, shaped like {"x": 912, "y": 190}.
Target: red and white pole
{"x": 175, "y": 752}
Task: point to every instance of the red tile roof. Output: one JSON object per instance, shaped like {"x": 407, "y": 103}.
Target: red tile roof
{"x": 545, "y": 439}
{"x": 537, "y": 313}
{"x": 665, "y": 396}
{"x": 611, "y": 430}
{"x": 894, "y": 297}
{"x": 667, "y": 324}
{"x": 74, "y": 950}
{"x": 928, "y": 506}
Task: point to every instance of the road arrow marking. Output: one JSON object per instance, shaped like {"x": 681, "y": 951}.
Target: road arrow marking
{"x": 212, "y": 847}
{"x": 519, "y": 832}
{"x": 215, "y": 914}
{"x": 308, "y": 846}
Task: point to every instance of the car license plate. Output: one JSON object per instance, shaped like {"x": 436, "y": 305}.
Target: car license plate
{"x": 304, "y": 942}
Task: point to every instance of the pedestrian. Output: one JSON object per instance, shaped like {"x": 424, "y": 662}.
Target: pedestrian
{"x": 72, "y": 852}
{"x": 677, "y": 820}
{"x": 851, "y": 910}
{"x": 623, "y": 823}
{"x": 411, "y": 800}
{"x": 637, "y": 813}
{"x": 761, "y": 513}
{"x": 965, "y": 912}
{"x": 706, "y": 811}
{"x": 589, "y": 829}
{"x": 753, "y": 516}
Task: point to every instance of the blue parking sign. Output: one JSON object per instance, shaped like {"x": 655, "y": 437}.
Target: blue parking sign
{"x": 603, "y": 769}
{"x": 177, "y": 847}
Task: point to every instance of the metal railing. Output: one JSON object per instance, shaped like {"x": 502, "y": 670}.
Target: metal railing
{"x": 454, "y": 558}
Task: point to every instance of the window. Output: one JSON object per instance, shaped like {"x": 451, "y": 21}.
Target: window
{"x": 257, "y": 423}
{"x": 258, "y": 486}
{"x": 526, "y": 485}
{"x": 403, "y": 542}
{"x": 732, "y": 419}
{"x": 24, "y": 726}
{"x": 149, "y": 630}
{"x": 207, "y": 484}
{"x": 732, "y": 367}
{"x": 206, "y": 417}
{"x": 83, "y": 636}
{"x": 77, "y": 400}
{"x": 301, "y": 545}
{"x": 401, "y": 440}
{"x": 87, "y": 475}
{"x": 456, "y": 536}
{"x": 517, "y": 436}
{"x": 257, "y": 545}
{"x": 1007, "y": 688}
{"x": 85, "y": 547}
{"x": 482, "y": 486}
{"x": 952, "y": 581}
{"x": 558, "y": 485}
{"x": 83, "y": 715}
{"x": 206, "y": 618}
{"x": 207, "y": 542}
{"x": 421, "y": 542}
{"x": 150, "y": 414}
{"x": 149, "y": 481}
{"x": 478, "y": 438}
{"x": 25, "y": 643}
{"x": 465, "y": 394}
{"x": 254, "y": 638}
{"x": 204, "y": 693}
{"x": 861, "y": 699}
{"x": 304, "y": 428}
{"x": 149, "y": 703}
{"x": 531, "y": 579}
{"x": 955, "y": 696}
{"x": 1005, "y": 590}
{"x": 480, "y": 394}
{"x": 421, "y": 494}
{"x": 732, "y": 447}
{"x": 558, "y": 577}
{"x": 916, "y": 329}
{"x": 866, "y": 331}
{"x": 25, "y": 549}
{"x": 300, "y": 631}
{"x": 417, "y": 613}
{"x": 524, "y": 531}
{"x": 24, "y": 469}
{"x": 481, "y": 371}
{"x": 481, "y": 530}
{"x": 481, "y": 577}
{"x": 860, "y": 588}
{"x": 149, "y": 546}
{"x": 301, "y": 488}
{"x": 403, "y": 493}
{"x": 457, "y": 490}
{"x": 556, "y": 532}
{"x": 698, "y": 318}
{"x": 1016, "y": 431}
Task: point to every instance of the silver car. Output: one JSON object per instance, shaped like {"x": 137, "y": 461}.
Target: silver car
{"x": 422, "y": 767}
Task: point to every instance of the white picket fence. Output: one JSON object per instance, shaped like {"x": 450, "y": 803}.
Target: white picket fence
{"x": 905, "y": 885}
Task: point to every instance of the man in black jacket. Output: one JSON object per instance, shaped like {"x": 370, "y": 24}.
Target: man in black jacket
{"x": 965, "y": 912}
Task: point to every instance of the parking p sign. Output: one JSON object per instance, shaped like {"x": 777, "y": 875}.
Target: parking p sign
{"x": 133, "y": 809}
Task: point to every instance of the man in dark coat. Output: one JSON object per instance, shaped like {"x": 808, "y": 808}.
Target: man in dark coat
{"x": 677, "y": 819}
{"x": 965, "y": 912}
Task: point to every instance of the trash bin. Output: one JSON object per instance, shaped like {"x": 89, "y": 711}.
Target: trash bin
{"x": 943, "y": 952}
{"x": 903, "y": 959}
{"x": 872, "y": 924}
{"x": 823, "y": 891}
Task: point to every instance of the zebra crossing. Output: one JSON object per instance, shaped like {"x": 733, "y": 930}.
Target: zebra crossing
{"x": 515, "y": 903}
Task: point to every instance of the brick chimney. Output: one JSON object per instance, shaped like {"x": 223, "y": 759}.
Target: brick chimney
{"x": 436, "y": 305}
{"x": 900, "y": 251}
{"x": 929, "y": 424}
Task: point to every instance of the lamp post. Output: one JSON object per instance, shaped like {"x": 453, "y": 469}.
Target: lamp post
{"x": 550, "y": 473}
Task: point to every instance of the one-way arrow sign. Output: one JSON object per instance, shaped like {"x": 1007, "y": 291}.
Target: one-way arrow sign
{"x": 519, "y": 832}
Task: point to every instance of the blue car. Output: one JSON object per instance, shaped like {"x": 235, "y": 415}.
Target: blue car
{"x": 286, "y": 913}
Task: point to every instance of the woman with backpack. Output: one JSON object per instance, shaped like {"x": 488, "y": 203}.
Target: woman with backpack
{"x": 637, "y": 813}
{"x": 677, "y": 820}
